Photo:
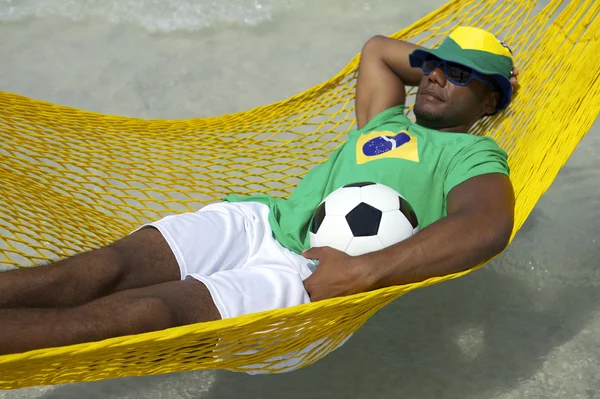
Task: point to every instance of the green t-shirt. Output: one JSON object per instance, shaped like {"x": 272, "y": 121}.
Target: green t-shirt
{"x": 421, "y": 164}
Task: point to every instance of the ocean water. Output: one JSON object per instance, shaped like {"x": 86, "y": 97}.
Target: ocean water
{"x": 527, "y": 325}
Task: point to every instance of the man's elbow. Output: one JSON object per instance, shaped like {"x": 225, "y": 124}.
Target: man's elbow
{"x": 498, "y": 237}
{"x": 372, "y": 47}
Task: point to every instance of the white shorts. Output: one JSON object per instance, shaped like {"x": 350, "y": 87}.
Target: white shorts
{"x": 231, "y": 249}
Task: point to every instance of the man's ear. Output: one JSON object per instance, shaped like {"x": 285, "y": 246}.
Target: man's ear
{"x": 490, "y": 102}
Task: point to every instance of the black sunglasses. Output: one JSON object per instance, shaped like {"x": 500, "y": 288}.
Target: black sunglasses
{"x": 456, "y": 73}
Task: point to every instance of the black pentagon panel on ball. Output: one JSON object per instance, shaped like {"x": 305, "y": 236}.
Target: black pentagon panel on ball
{"x": 318, "y": 218}
{"x": 364, "y": 220}
{"x": 360, "y": 184}
{"x": 408, "y": 211}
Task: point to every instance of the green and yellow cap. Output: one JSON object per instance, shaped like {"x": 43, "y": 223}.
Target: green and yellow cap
{"x": 477, "y": 49}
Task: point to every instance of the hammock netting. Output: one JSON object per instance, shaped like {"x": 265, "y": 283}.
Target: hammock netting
{"x": 74, "y": 180}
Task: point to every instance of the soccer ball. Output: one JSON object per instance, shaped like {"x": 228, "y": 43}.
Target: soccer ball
{"x": 362, "y": 217}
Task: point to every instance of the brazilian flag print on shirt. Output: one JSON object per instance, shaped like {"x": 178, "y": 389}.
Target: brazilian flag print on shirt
{"x": 422, "y": 164}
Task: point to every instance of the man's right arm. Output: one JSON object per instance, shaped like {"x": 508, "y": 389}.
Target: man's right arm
{"x": 383, "y": 72}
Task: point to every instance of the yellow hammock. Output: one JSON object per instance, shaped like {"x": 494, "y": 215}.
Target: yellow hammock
{"x": 74, "y": 180}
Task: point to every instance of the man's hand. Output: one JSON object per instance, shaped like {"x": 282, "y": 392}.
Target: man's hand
{"x": 338, "y": 274}
{"x": 514, "y": 81}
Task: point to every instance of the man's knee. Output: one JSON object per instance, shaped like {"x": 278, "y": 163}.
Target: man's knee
{"x": 168, "y": 305}
{"x": 94, "y": 273}
{"x": 149, "y": 313}
{"x": 105, "y": 265}
{"x": 145, "y": 259}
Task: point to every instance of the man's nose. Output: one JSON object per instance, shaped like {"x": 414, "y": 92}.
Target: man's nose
{"x": 438, "y": 76}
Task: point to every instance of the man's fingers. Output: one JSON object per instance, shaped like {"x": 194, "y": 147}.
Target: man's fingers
{"x": 311, "y": 253}
{"x": 308, "y": 282}
{"x": 315, "y": 253}
{"x": 514, "y": 81}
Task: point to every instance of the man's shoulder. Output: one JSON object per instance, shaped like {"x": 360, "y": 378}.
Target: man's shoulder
{"x": 483, "y": 146}
{"x": 486, "y": 143}
{"x": 459, "y": 141}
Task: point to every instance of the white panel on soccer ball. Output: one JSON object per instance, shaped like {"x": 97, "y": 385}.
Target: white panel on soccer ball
{"x": 334, "y": 232}
{"x": 363, "y": 245}
{"x": 342, "y": 201}
{"x": 393, "y": 228}
{"x": 380, "y": 197}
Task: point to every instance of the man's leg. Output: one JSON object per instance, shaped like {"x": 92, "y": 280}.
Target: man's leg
{"x": 139, "y": 260}
{"x": 128, "y": 312}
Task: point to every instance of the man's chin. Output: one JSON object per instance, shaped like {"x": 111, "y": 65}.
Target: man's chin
{"x": 425, "y": 113}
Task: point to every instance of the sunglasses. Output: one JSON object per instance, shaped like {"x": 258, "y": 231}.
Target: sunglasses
{"x": 457, "y": 74}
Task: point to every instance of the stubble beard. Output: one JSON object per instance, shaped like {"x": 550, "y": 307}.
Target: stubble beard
{"x": 427, "y": 117}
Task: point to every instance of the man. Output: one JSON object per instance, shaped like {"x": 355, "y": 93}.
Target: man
{"x": 250, "y": 254}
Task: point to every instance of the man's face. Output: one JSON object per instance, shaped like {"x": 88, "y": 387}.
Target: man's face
{"x": 442, "y": 104}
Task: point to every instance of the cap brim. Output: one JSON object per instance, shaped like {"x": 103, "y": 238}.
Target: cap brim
{"x": 417, "y": 57}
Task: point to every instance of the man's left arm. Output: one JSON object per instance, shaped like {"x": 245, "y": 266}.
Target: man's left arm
{"x": 477, "y": 227}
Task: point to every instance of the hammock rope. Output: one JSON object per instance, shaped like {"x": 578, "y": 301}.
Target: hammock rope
{"x": 75, "y": 180}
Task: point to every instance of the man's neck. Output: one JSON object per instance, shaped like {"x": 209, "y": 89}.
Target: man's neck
{"x": 464, "y": 128}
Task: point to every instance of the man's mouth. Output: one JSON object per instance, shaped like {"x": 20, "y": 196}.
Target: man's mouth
{"x": 431, "y": 95}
